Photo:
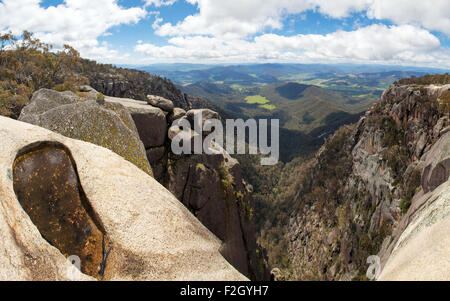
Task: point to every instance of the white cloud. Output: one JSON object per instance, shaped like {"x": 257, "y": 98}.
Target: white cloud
{"x": 433, "y": 15}
{"x": 236, "y": 30}
{"x": 404, "y": 44}
{"x": 247, "y": 17}
{"x": 159, "y": 3}
{"x": 77, "y": 22}
{"x": 232, "y": 17}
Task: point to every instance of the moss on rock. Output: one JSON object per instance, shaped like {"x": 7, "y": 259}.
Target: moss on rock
{"x": 111, "y": 127}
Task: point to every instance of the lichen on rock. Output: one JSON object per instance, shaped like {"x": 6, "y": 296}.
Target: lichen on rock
{"x": 109, "y": 126}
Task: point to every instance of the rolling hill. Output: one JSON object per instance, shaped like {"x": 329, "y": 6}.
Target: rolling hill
{"x": 299, "y": 107}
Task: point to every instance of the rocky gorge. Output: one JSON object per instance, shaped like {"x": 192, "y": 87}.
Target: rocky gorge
{"x": 90, "y": 173}
{"x": 377, "y": 188}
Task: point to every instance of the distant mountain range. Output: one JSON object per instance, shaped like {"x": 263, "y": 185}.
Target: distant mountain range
{"x": 310, "y": 100}
{"x": 269, "y": 73}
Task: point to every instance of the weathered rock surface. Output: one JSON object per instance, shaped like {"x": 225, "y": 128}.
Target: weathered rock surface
{"x": 175, "y": 115}
{"x": 109, "y": 126}
{"x": 150, "y": 121}
{"x": 205, "y": 114}
{"x": 211, "y": 186}
{"x": 196, "y": 181}
{"x": 422, "y": 226}
{"x": 437, "y": 164}
{"x": 421, "y": 252}
{"x": 89, "y": 92}
{"x": 131, "y": 104}
{"x": 152, "y": 126}
{"x": 160, "y": 102}
{"x": 44, "y": 100}
{"x": 151, "y": 234}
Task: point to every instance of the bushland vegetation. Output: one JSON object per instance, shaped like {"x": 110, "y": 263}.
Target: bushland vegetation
{"x": 27, "y": 64}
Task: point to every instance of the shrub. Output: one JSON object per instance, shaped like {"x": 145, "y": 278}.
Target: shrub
{"x": 413, "y": 184}
{"x": 436, "y": 79}
{"x": 28, "y": 65}
{"x": 404, "y": 205}
{"x": 100, "y": 98}
{"x": 444, "y": 103}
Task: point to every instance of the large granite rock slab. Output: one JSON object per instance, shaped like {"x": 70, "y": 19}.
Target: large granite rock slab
{"x": 150, "y": 121}
{"x": 108, "y": 126}
{"x": 149, "y": 233}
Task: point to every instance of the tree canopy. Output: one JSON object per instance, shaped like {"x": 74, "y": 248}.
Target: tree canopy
{"x": 27, "y": 64}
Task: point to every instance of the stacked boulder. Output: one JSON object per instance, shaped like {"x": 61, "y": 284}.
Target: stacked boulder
{"x": 210, "y": 186}
{"x": 160, "y": 102}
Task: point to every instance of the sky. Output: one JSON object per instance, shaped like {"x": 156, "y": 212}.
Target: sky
{"x": 141, "y": 32}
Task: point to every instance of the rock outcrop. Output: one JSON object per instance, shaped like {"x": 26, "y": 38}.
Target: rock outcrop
{"x": 110, "y": 126}
{"x": 129, "y": 226}
{"x": 176, "y": 114}
{"x": 356, "y": 191}
{"x": 210, "y": 186}
{"x": 127, "y": 83}
{"x": 151, "y": 124}
{"x": 436, "y": 164}
{"x": 420, "y": 245}
{"x": 160, "y": 102}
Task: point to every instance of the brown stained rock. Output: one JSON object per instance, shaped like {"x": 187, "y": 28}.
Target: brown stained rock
{"x": 155, "y": 154}
{"x": 47, "y": 186}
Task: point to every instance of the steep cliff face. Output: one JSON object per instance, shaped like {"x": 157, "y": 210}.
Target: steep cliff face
{"x": 134, "y": 84}
{"x": 361, "y": 183}
{"x": 419, "y": 247}
{"x": 210, "y": 186}
{"x": 213, "y": 189}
